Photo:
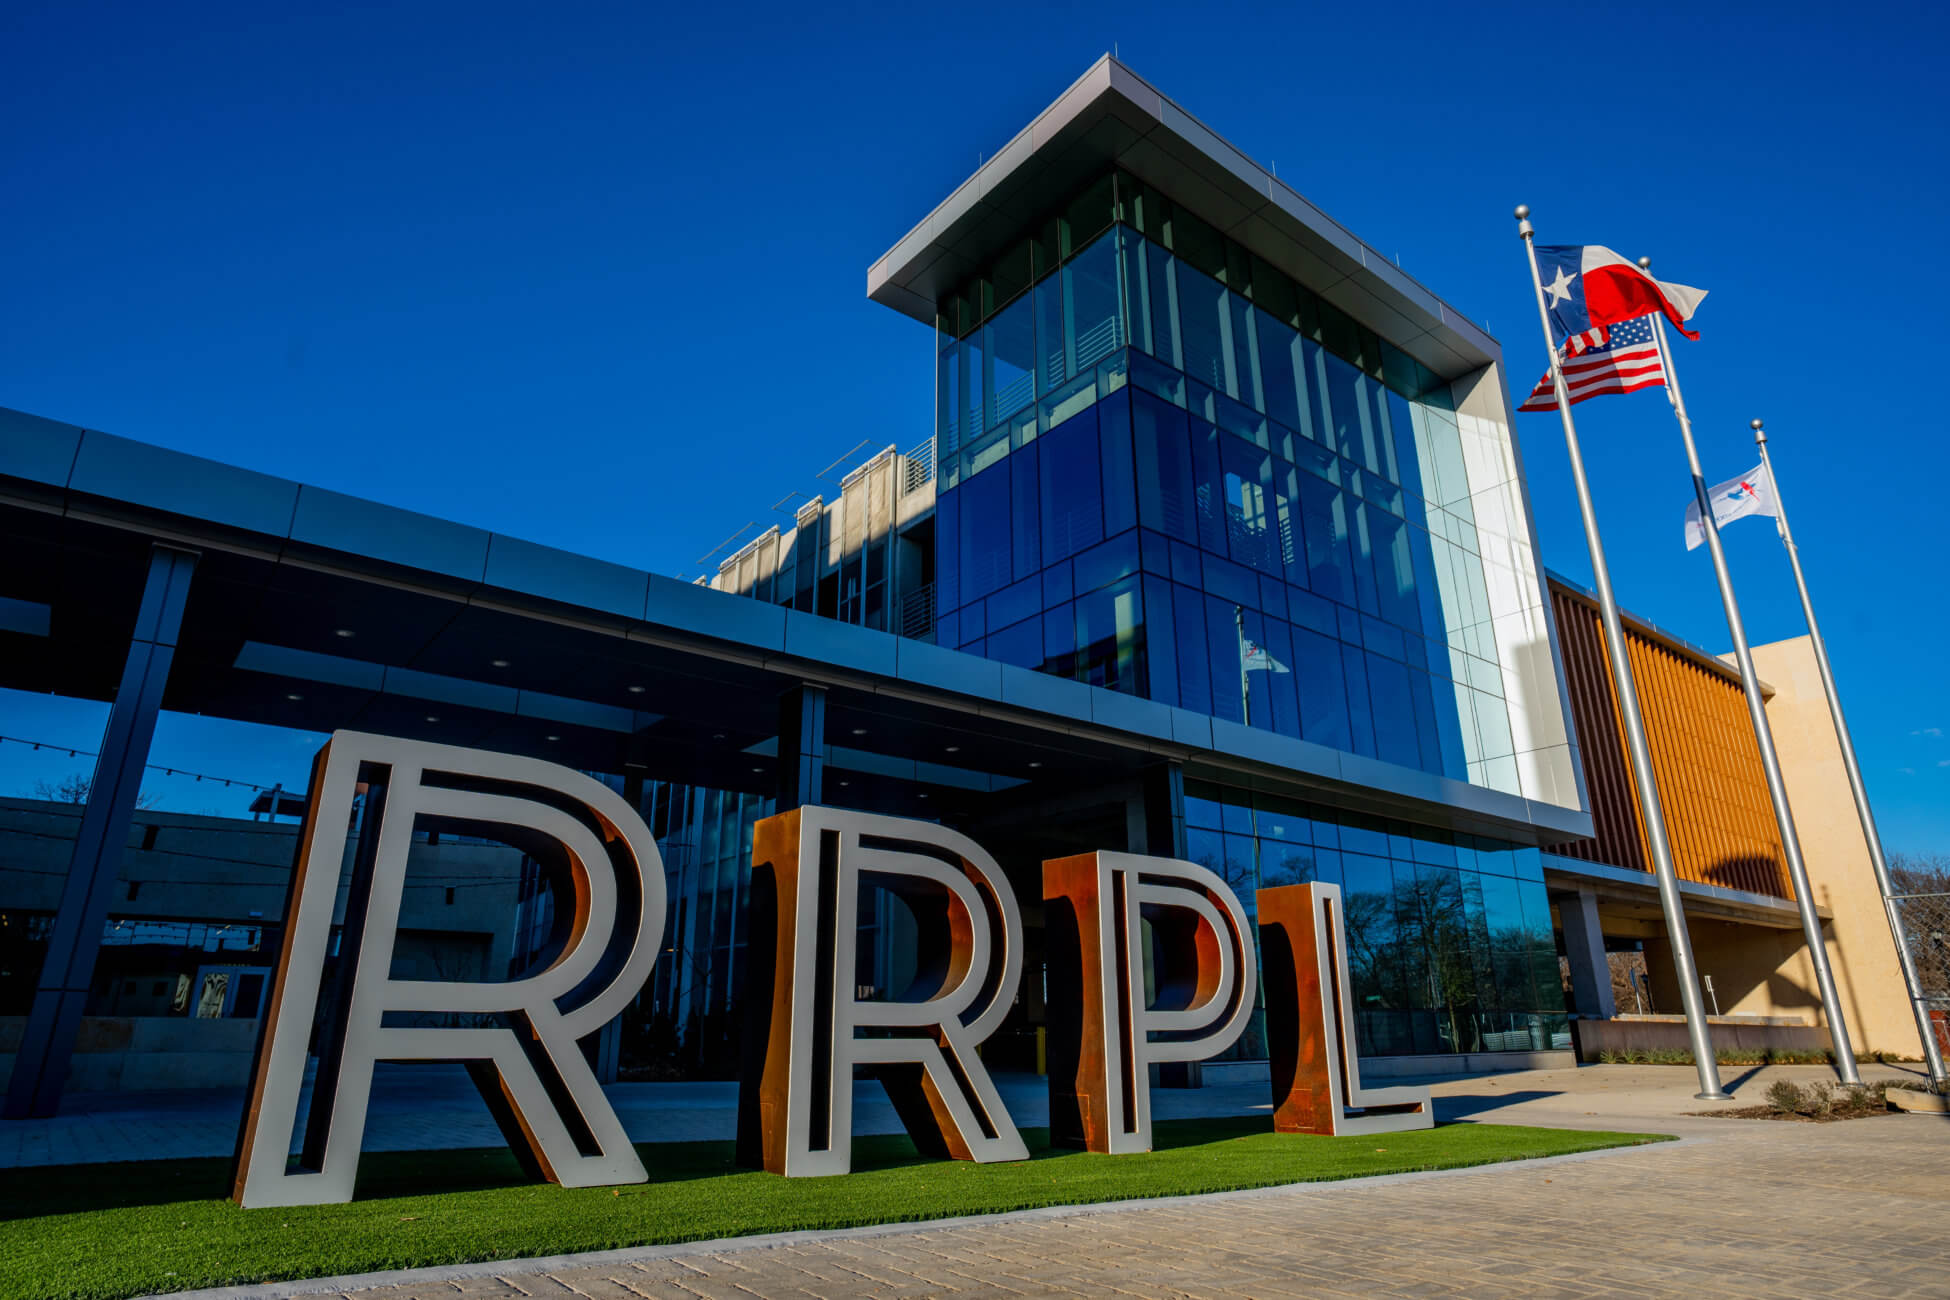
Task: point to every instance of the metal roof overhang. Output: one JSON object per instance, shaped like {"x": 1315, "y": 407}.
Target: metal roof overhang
{"x": 1626, "y": 892}
{"x": 1113, "y": 116}
{"x": 1679, "y": 645}
{"x": 608, "y": 668}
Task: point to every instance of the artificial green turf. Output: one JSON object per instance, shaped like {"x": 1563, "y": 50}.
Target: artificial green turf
{"x": 125, "y": 1229}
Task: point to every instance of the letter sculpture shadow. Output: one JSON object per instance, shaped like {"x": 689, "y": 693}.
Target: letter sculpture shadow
{"x": 519, "y": 1037}
{"x": 1310, "y": 1027}
{"x": 795, "y": 1105}
{"x": 1101, "y": 1024}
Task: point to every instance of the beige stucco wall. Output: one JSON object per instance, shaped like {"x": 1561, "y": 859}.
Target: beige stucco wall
{"x": 1859, "y": 945}
{"x": 1756, "y": 971}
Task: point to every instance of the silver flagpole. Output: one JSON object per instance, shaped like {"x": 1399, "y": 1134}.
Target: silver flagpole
{"x": 1628, "y": 705}
{"x": 1770, "y": 762}
{"x": 1245, "y": 695}
{"x": 1932, "y": 1053}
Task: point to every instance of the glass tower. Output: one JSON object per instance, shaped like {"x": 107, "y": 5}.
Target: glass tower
{"x": 1163, "y": 467}
{"x": 1167, "y": 469}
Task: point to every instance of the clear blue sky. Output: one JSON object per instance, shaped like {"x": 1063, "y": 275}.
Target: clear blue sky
{"x": 594, "y": 274}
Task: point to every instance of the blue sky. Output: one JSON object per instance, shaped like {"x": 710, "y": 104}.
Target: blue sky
{"x": 595, "y": 274}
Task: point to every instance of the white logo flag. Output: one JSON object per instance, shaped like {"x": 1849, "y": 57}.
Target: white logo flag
{"x": 1750, "y": 494}
{"x": 1259, "y": 660}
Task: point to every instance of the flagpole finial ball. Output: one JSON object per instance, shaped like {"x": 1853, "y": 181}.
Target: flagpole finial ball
{"x": 1645, "y": 264}
{"x": 1523, "y": 210}
{"x": 1754, "y": 425}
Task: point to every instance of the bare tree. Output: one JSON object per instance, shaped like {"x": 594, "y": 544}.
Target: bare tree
{"x": 1922, "y": 884}
{"x": 75, "y": 788}
{"x": 1920, "y": 873}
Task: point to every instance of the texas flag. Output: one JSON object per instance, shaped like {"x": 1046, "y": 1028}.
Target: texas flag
{"x": 1587, "y": 286}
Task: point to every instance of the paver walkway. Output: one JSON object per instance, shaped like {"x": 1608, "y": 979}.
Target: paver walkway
{"x": 1739, "y": 1208}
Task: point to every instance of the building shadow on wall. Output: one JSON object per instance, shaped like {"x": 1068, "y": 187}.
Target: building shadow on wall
{"x": 1749, "y": 873}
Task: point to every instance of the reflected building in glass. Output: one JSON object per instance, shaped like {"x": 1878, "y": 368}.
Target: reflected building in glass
{"x": 1218, "y": 548}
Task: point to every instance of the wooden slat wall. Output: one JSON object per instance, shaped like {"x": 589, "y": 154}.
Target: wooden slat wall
{"x": 1601, "y": 740}
{"x": 1703, "y": 756}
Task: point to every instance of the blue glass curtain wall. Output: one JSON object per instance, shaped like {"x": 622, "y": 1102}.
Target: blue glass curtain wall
{"x": 1449, "y": 939}
{"x": 1294, "y": 482}
{"x": 705, "y": 836}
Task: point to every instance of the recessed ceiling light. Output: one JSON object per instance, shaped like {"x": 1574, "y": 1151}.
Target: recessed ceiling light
{"x": 846, "y": 783}
{"x": 636, "y": 690}
{"x": 859, "y": 731}
{"x": 555, "y": 737}
{"x": 344, "y": 631}
{"x": 758, "y": 769}
{"x": 433, "y": 717}
{"x": 293, "y": 695}
{"x": 923, "y": 794}
{"x": 954, "y": 749}
{"x": 1036, "y": 763}
{"x": 717, "y": 735}
{"x": 500, "y": 663}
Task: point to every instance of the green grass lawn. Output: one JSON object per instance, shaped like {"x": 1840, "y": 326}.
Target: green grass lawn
{"x": 125, "y": 1229}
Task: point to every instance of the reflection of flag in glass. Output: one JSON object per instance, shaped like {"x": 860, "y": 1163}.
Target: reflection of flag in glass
{"x": 209, "y": 1002}
{"x": 1257, "y": 658}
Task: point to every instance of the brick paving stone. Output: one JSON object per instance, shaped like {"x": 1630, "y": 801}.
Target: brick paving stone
{"x": 1740, "y": 1208}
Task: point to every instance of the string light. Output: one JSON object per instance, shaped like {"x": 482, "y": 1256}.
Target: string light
{"x": 228, "y": 782}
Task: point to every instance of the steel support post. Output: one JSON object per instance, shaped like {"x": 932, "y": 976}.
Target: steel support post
{"x": 1584, "y": 946}
{"x": 1163, "y": 788}
{"x": 1932, "y": 1053}
{"x": 1770, "y": 762}
{"x": 1651, "y": 814}
{"x": 47, "y": 1043}
{"x": 802, "y": 747}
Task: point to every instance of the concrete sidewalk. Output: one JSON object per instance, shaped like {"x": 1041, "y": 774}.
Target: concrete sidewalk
{"x": 1738, "y": 1208}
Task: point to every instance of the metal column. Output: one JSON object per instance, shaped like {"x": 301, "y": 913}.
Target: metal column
{"x": 1163, "y": 796}
{"x": 1584, "y": 946}
{"x": 47, "y": 1043}
{"x": 802, "y": 747}
{"x": 1770, "y": 762}
{"x": 1646, "y": 784}
{"x": 1932, "y": 1053}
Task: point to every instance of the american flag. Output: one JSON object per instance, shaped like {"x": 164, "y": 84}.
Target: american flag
{"x": 1621, "y": 358}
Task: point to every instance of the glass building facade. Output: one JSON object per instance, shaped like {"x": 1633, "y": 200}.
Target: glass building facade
{"x": 1159, "y": 466}
{"x": 1167, "y": 469}
{"x": 706, "y": 840}
{"x": 1450, "y": 946}
{"x": 691, "y": 1012}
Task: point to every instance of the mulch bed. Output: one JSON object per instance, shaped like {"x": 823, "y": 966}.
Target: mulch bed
{"x": 1768, "y": 1112}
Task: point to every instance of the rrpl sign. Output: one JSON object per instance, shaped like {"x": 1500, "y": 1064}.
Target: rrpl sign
{"x": 1107, "y": 912}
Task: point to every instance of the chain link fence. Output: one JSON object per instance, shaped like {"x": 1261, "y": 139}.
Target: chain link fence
{"x": 1920, "y": 897}
{"x": 1926, "y": 926}
{"x": 1925, "y": 919}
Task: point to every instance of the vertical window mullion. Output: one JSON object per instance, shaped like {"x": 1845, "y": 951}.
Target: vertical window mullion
{"x": 1069, "y": 321}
